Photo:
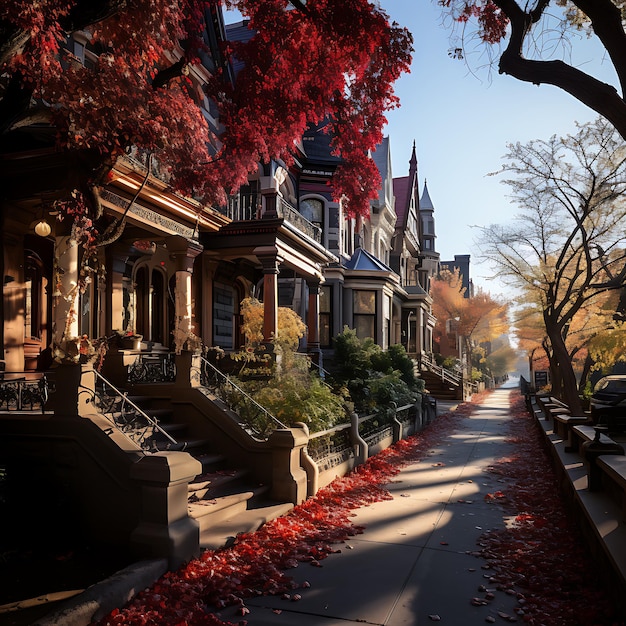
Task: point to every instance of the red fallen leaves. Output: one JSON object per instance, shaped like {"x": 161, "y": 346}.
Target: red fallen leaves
{"x": 256, "y": 564}
{"x": 496, "y": 495}
{"x": 543, "y": 554}
{"x": 540, "y": 559}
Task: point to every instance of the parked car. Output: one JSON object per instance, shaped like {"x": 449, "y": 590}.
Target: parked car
{"x": 608, "y": 402}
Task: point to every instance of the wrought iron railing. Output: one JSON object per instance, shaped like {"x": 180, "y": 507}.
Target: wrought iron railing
{"x": 152, "y": 368}
{"x": 376, "y": 427}
{"x": 127, "y": 416}
{"x": 255, "y": 419}
{"x": 295, "y": 218}
{"x": 330, "y": 448}
{"x": 456, "y": 378}
{"x": 248, "y": 206}
{"x": 20, "y": 392}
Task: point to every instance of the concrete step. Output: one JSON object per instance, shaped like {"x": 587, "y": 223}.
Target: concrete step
{"x": 211, "y": 463}
{"x": 188, "y": 445}
{"x": 207, "y": 512}
{"x": 213, "y": 484}
{"x": 224, "y": 532}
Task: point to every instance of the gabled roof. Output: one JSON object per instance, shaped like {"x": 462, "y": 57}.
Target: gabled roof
{"x": 316, "y": 145}
{"x": 401, "y": 190}
{"x": 363, "y": 260}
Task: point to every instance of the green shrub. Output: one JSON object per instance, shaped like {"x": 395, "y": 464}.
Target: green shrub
{"x": 374, "y": 377}
{"x": 294, "y": 397}
{"x": 353, "y": 356}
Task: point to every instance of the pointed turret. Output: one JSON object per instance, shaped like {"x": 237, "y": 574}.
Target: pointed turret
{"x": 428, "y": 221}
{"x": 413, "y": 163}
{"x": 425, "y": 202}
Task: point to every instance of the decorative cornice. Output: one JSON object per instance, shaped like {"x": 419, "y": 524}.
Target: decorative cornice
{"x": 145, "y": 215}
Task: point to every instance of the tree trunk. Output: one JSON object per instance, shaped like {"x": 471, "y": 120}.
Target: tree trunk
{"x": 585, "y": 373}
{"x": 569, "y": 388}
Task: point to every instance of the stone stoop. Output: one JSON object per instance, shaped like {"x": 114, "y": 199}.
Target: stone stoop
{"x": 440, "y": 389}
{"x": 225, "y": 504}
{"x": 222, "y": 533}
{"x": 223, "y": 500}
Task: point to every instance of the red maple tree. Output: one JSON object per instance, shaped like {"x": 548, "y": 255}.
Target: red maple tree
{"x": 326, "y": 59}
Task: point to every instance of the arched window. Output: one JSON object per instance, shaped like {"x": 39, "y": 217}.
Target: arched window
{"x": 313, "y": 210}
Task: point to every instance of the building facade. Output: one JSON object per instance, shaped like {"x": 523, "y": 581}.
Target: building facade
{"x": 164, "y": 279}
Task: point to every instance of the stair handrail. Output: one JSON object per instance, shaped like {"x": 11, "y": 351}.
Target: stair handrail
{"x": 225, "y": 379}
{"x": 446, "y": 375}
{"x": 123, "y": 395}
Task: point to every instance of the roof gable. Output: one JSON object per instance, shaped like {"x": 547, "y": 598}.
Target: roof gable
{"x": 363, "y": 260}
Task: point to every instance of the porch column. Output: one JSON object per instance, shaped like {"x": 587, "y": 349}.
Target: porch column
{"x": 65, "y": 290}
{"x": 271, "y": 203}
{"x": 419, "y": 330}
{"x": 182, "y": 252}
{"x": 313, "y": 322}
{"x": 270, "y": 261}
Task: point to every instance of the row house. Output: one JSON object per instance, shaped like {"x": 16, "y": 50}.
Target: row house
{"x": 379, "y": 283}
{"x": 173, "y": 280}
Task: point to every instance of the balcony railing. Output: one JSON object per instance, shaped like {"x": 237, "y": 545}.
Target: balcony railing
{"x": 21, "y": 391}
{"x": 244, "y": 207}
{"x": 295, "y": 218}
{"x": 248, "y": 206}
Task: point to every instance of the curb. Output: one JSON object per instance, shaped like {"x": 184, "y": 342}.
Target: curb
{"x": 100, "y": 599}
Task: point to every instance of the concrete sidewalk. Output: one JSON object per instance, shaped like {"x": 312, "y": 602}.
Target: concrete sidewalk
{"x": 412, "y": 564}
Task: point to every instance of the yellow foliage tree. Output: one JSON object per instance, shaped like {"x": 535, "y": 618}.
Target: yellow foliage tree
{"x": 609, "y": 347}
{"x": 477, "y": 319}
{"x": 290, "y": 330}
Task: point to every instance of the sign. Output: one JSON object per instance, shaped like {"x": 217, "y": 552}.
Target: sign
{"x": 541, "y": 379}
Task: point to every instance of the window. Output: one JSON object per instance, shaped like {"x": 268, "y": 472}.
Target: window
{"x": 223, "y": 315}
{"x": 326, "y": 332}
{"x": 364, "y": 313}
{"x": 313, "y": 210}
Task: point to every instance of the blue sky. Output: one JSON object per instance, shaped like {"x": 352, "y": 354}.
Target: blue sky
{"x": 461, "y": 124}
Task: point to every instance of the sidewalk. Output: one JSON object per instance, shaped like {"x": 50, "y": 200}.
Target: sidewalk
{"x": 412, "y": 565}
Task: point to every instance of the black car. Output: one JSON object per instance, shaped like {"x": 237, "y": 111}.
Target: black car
{"x": 608, "y": 402}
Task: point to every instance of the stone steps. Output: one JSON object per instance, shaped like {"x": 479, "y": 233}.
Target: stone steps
{"x": 444, "y": 390}
{"x": 223, "y": 499}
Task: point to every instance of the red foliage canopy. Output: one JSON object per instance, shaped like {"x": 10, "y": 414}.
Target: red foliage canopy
{"x": 329, "y": 59}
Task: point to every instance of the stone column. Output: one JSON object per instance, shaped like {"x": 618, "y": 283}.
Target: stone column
{"x": 165, "y": 529}
{"x": 359, "y": 445}
{"x": 65, "y": 290}
{"x": 313, "y": 323}
{"x": 270, "y": 210}
{"x": 270, "y": 261}
{"x": 289, "y": 479}
{"x": 183, "y": 253}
